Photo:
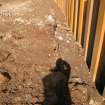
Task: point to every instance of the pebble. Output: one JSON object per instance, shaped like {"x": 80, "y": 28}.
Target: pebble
{"x": 50, "y": 18}
{"x": 60, "y": 38}
{"x": 20, "y": 20}
{"x": 91, "y": 102}
{"x": 68, "y": 41}
{"x": 4, "y": 76}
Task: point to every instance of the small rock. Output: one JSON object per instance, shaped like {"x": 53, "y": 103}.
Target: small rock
{"x": 4, "y": 76}
{"x": 68, "y": 41}
{"x": 91, "y": 102}
{"x": 50, "y": 19}
{"x": 20, "y": 20}
{"x": 49, "y": 55}
{"x": 77, "y": 80}
{"x": 40, "y": 23}
{"x": 60, "y": 38}
{"x": 18, "y": 99}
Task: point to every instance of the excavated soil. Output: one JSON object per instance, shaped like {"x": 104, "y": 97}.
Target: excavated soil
{"x": 33, "y": 35}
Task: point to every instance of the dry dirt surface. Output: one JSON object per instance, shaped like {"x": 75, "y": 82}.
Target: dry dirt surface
{"x": 33, "y": 35}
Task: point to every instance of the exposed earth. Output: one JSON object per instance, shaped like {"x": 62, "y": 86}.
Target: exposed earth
{"x": 33, "y": 35}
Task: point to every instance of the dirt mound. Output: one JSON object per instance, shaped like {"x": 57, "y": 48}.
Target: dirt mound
{"x": 30, "y": 9}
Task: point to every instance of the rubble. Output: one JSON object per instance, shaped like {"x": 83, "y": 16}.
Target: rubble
{"x": 32, "y": 37}
{"x": 77, "y": 80}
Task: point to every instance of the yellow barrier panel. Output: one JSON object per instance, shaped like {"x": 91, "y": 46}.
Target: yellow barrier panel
{"x": 76, "y": 18}
{"x": 75, "y": 12}
{"x": 99, "y": 41}
{"x": 81, "y": 19}
{"x": 72, "y": 15}
{"x": 88, "y": 24}
{"x": 68, "y": 12}
{"x": 61, "y": 4}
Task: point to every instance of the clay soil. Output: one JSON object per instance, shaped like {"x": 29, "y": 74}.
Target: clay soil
{"x": 30, "y": 44}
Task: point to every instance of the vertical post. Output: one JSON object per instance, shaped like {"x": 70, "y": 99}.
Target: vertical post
{"x": 72, "y": 14}
{"x": 69, "y": 12}
{"x": 65, "y": 8}
{"x": 81, "y": 19}
{"x": 76, "y": 18}
{"x": 60, "y": 4}
{"x": 99, "y": 40}
{"x": 88, "y": 24}
{"x": 63, "y": 5}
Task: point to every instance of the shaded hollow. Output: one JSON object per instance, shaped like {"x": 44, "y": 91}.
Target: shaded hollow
{"x": 56, "y": 89}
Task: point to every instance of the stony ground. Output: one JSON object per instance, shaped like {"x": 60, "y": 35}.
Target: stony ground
{"x": 33, "y": 35}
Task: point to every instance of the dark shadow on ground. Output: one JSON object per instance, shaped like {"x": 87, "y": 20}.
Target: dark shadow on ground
{"x": 56, "y": 89}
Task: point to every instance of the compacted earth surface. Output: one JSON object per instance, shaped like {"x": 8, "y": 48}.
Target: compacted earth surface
{"x": 34, "y": 38}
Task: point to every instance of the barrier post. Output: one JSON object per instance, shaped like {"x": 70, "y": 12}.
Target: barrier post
{"x": 76, "y": 18}
{"x": 99, "y": 40}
